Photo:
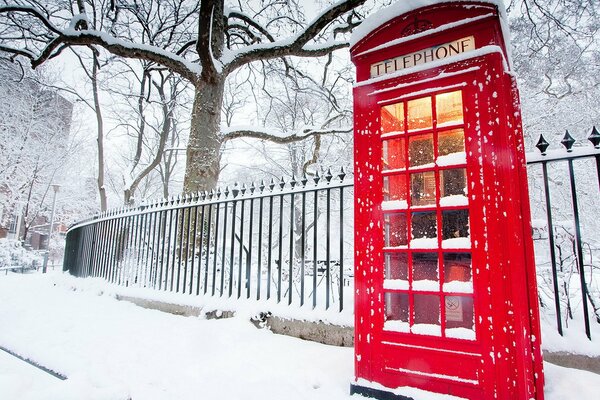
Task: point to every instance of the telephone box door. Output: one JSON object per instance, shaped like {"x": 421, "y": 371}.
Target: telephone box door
{"x": 429, "y": 292}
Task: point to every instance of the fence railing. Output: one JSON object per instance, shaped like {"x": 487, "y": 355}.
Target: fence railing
{"x": 292, "y": 241}
{"x": 565, "y": 192}
{"x": 284, "y": 241}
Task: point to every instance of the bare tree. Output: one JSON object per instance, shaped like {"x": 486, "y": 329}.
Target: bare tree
{"x": 203, "y": 43}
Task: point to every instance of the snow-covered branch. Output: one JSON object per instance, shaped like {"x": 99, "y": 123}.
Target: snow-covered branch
{"x": 71, "y": 36}
{"x": 296, "y": 45}
{"x": 275, "y": 136}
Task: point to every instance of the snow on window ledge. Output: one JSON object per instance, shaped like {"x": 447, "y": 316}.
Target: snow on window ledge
{"x": 424, "y": 243}
{"x": 454, "y": 200}
{"x": 426, "y": 285}
{"x": 395, "y": 284}
{"x": 396, "y": 326}
{"x": 456, "y": 243}
{"x": 460, "y": 333}
{"x": 459, "y": 158}
{"x": 426, "y": 329}
{"x": 458, "y": 287}
{"x": 394, "y": 205}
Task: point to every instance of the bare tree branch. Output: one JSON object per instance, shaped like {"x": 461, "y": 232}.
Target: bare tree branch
{"x": 295, "y": 137}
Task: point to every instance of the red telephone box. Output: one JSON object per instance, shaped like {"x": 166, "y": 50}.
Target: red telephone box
{"x": 446, "y": 297}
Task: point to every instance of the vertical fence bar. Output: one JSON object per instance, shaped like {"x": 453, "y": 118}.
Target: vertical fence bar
{"x": 224, "y": 247}
{"x": 113, "y": 248}
{"x": 328, "y": 249}
{"x": 270, "y": 244}
{"x": 195, "y": 213}
{"x": 214, "y": 275}
{"x": 260, "y": 233}
{"x": 179, "y": 243}
{"x": 167, "y": 245}
{"x": 188, "y": 210}
{"x": 280, "y": 248}
{"x": 200, "y": 252}
{"x": 208, "y": 231}
{"x": 240, "y": 253}
{"x": 586, "y": 318}
{"x": 291, "y": 267}
{"x": 139, "y": 246}
{"x": 162, "y": 234}
{"x": 249, "y": 259}
{"x": 341, "y": 278}
{"x": 302, "y": 246}
{"x": 232, "y": 250}
{"x": 552, "y": 250}
{"x": 155, "y": 244}
{"x": 315, "y": 254}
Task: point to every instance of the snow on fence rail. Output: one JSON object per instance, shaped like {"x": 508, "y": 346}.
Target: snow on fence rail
{"x": 229, "y": 243}
{"x": 288, "y": 241}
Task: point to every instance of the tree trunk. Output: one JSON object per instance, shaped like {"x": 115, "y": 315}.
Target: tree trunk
{"x": 203, "y": 153}
{"x": 100, "y": 136}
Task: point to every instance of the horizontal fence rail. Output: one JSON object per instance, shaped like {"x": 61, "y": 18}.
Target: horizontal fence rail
{"x": 292, "y": 241}
{"x": 284, "y": 241}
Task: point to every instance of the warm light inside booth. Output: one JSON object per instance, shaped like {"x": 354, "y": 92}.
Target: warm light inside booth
{"x": 427, "y": 254}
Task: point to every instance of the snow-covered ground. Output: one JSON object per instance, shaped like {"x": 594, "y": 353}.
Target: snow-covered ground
{"x": 112, "y": 350}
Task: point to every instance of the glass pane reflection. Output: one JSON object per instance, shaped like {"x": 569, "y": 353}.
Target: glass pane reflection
{"x": 396, "y": 266}
{"x": 449, "y": 108}
{"x": 392, "y": 118}
{"x": 395, "y": 230}
{"x": 422, "y": 189}
{"x": 420, "y": 150}
{"x": 394, "y": 154}
{"x": 419, "y": 114}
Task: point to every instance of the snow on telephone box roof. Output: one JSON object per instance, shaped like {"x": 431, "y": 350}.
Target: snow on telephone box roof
{"x": 369, "y": 40}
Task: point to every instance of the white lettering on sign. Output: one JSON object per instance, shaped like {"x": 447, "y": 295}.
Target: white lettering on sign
{"x": 423, "y": 56}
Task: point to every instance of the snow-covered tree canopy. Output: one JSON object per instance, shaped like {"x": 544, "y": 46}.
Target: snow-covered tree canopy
{"x": 203, "y": 43}
{"x": 231, "y": 52}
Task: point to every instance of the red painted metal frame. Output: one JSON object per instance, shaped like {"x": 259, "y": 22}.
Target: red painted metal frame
{"x": 504, "y": 361}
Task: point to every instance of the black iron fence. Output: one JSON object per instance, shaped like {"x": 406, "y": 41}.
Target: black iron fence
{"x": 286, "y": 241}
{"x": 292, "y": 241}
{"x": 564, "y": 188}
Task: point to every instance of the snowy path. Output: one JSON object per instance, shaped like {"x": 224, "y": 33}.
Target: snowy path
{"x": 114, "y": 350}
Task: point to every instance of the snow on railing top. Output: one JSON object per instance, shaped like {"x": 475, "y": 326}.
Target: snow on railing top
{"x": 571, "y": 152}
{"x": 275, "y": 187}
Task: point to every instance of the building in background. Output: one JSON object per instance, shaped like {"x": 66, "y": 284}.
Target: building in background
{"x": 34, "y": 130}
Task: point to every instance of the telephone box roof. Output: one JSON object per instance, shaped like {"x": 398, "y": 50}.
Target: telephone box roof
{"x": 361, "y": 43}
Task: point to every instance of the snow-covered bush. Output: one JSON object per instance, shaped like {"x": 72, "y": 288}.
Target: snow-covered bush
{"x": 12, "y": 254}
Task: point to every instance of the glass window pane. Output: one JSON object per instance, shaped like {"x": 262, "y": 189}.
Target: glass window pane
{"x": 455, "y": 224}
{"x": 425, "y": 267}
{"x": 396, "y": 266}
{"x": 392, "y": 118}
{"x": 424, "y": 225}
{"x": 394, "y": 187}
{"x": 450, "y": 142}
{"x": 394, "y": 154}
{"x": 419, "y": 114}
{"x": 454, "y": 182}
{"x": 395, "y": 230}
{"x": 420, "y": 150}
{"x": 422, "y": 189}
{"x": 396, "y": 312}
{"x": 449, "y": 108}
{"x": 459, "y": 313}
{"x": 427, "y": 309}
{"x": 457, "y": 267}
